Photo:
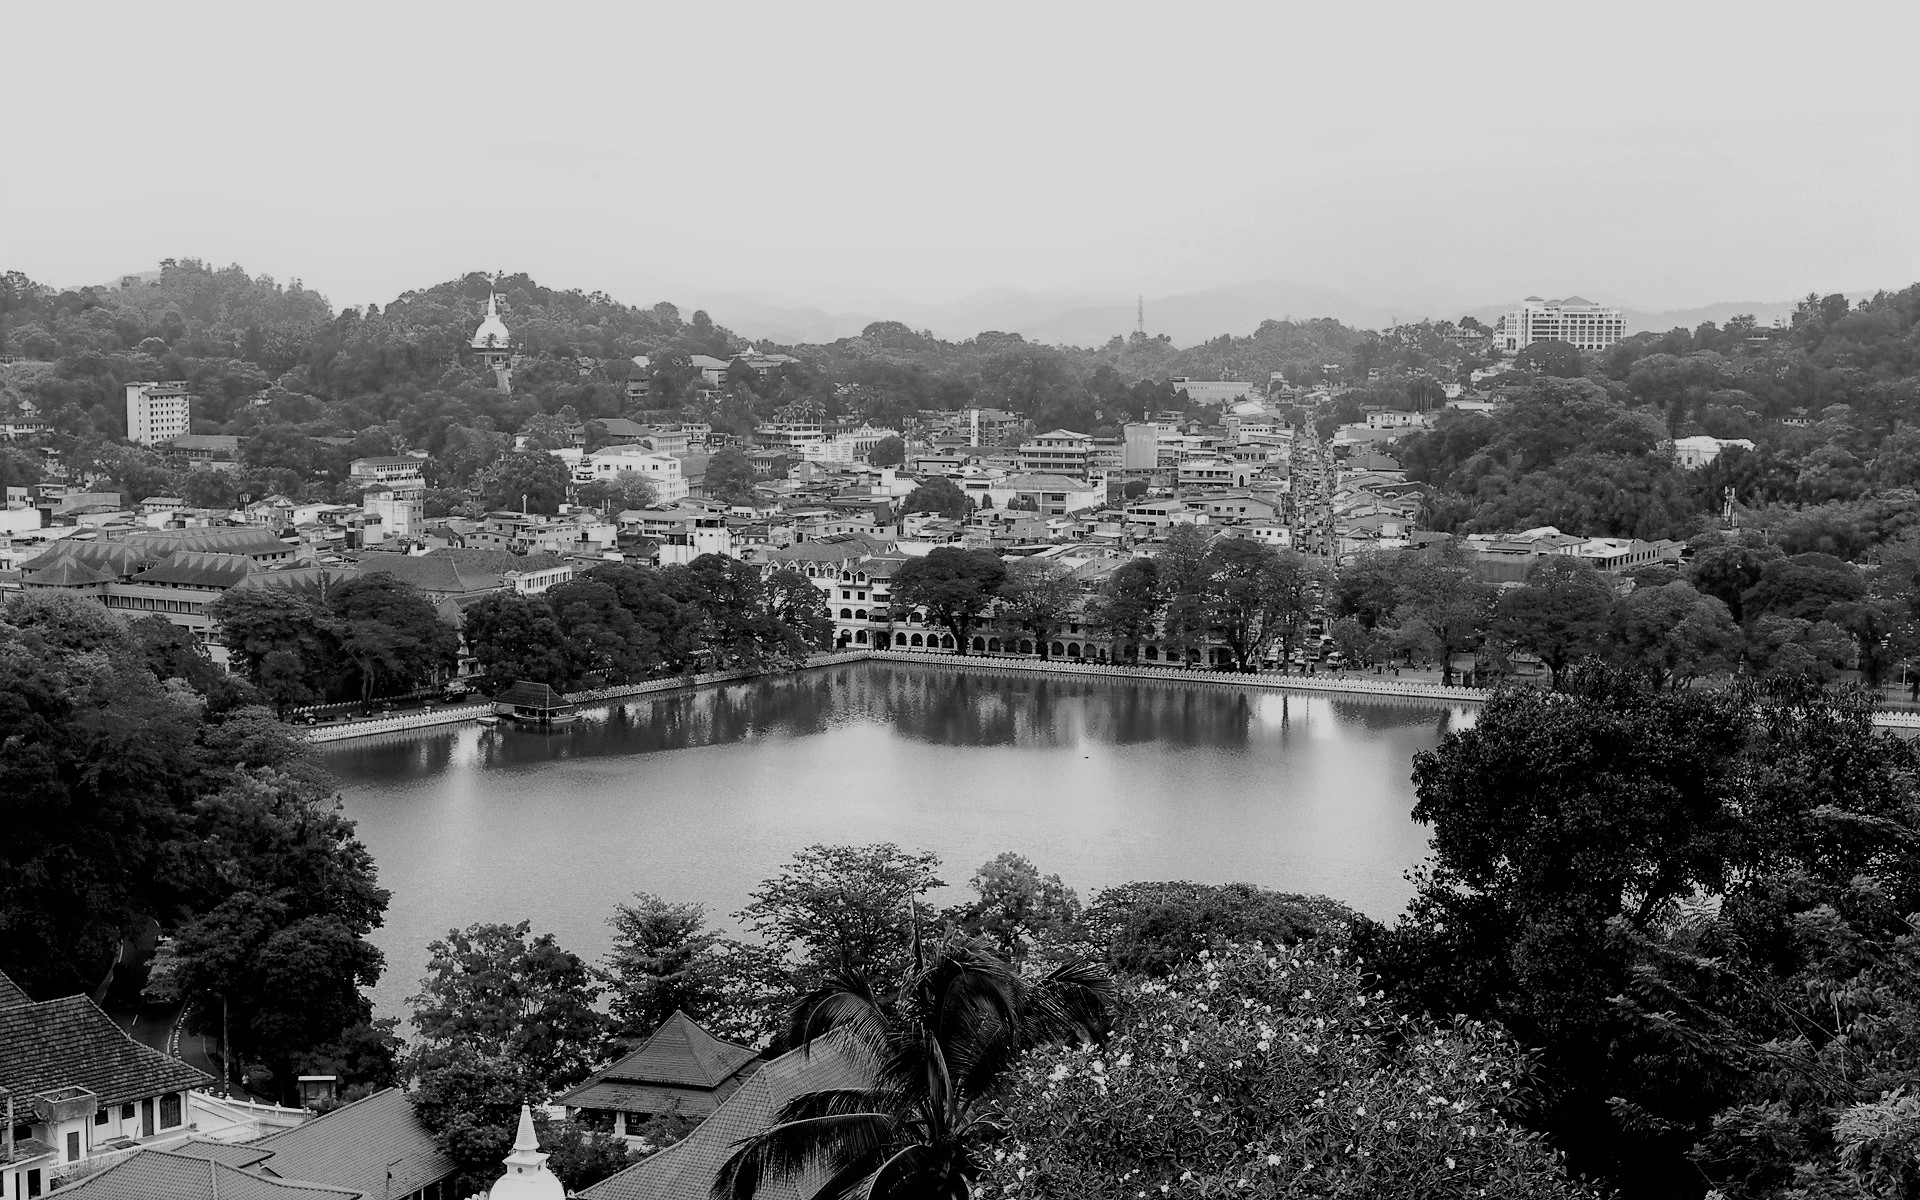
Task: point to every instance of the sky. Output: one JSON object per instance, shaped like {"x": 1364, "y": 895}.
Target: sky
{"x": 843, "y": 156}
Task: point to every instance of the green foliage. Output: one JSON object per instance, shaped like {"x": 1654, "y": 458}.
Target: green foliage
{"x": 933, "y": 1053}
{"x": 517, "y": 998}
{"x": 835, "y": 910}
{"x": 730, "y": 476}
{"x": 954, "y": 586}
{"x": 938, "y": 495}
{"x": 1154, "y": 929}
{"x": 1037, "y": 598}
{"x": 1273, "y": 1073}
{"x": 1015, "y": 905}
{"x": 888, "y": 452}
{"x": 532, "y": 480}
{"x": 1694, "y": 907}
{"x": 1563, "y": 612}
{"x": 132, "y": 799}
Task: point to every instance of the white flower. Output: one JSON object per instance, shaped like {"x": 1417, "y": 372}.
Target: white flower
{"x": 1273, "y": 1160}
{"x": 1449, "y": 1164}
{"x": 1359, "y": 1110}
{"x": 1058, "y": 1073}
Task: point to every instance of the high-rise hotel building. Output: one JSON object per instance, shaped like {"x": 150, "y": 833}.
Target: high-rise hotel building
{"x": 1578, "y": 321}
{"x": 158, "y": 412}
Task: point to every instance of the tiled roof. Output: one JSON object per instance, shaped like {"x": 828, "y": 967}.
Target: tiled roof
{"x": 69, "y": 1042}
{"x": 234, "y": 1154}
{"x": 686, "y": 1169}
{"x": 153, "y": 1174}
{"x": 117, "y": 558}
{"x": 12, "y": 993}
{"x": 64, "y": 571}
{"x": 251, "y": 540}
{"x": 452, "y": 570}
{"x": 679, "y": 1054}
{"x": 192, "y": 569}
{"x": 524, "y": 694}
{"x": 355, "y": 1145}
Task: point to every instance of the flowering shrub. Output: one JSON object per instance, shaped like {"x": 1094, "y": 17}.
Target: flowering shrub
{"x": 1271, "y": 1073}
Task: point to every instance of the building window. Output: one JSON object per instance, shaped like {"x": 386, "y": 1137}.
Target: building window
{"x": 126, "y": 1112}
{"x": 169, "y": 1110}
{"x": 73, "y": 1146}
{"x": 100, "y": 1117}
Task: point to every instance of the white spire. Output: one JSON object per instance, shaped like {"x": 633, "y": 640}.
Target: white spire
{"x": 527, "y": 1176}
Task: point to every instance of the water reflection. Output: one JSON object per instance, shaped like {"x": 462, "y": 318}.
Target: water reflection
{"x": 700, "y": 795}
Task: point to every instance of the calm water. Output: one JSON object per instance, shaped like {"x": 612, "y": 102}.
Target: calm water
{"x": 700, "y": 796}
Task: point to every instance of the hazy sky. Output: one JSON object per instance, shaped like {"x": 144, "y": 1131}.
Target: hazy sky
{"x": 1665, "y": 155}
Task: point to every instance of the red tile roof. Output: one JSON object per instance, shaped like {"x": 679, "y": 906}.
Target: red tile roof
{"x": 154, "y": 1174}
{"x": 70, "y": 1043}
{"x": 686, "y": 1169}
{"x": 355, "y": 1145}
{"x": 680, "y": 1064}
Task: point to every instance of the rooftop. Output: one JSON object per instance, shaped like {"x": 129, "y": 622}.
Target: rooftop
{"x": 69, "y": 1042}
{"x": 376, "y": 1146}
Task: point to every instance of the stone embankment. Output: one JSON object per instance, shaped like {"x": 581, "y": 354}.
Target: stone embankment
{"x": 1333, "y": 685}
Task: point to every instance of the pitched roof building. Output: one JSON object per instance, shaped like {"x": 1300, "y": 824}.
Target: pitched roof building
{"x": 686, "y": 1169}
{"x": 152, "y": 1174}
{"x": 682, "y": 1068}
{"x": 376, "y": 1146}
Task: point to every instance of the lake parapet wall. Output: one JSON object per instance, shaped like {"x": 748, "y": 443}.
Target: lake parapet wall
{"x": 1330, "y": 685}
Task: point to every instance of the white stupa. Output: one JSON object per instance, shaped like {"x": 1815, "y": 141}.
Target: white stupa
{"x": 527, "y": 1177}
{"x": 494, "y": 343}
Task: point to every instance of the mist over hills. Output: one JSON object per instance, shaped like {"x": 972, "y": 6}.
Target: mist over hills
{"x": 1067, "y": 318}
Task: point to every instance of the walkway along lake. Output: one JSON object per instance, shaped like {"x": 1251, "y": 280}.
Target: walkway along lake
{"x": 699, "y": 795}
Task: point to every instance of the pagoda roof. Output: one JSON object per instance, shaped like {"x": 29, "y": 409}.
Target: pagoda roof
{"x": 187, "y": 568}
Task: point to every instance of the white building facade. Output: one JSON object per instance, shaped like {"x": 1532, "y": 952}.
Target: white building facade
{"x": 1576, "y": 320}
{"x": 158, "y": 412}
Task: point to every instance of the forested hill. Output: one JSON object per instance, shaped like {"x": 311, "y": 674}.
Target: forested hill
{"x": 1828, "y": 402}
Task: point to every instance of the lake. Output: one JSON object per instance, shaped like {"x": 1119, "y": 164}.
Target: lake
{"x": 701, "y": 795}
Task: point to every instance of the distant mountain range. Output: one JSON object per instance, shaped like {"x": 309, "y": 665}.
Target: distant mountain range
{"x": 1188, "y": 318}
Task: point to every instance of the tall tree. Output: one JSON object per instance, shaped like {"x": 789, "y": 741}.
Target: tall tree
{"x": 1563, "y": 612}
{"x": 521, "y": 998}
{"x": 390, "y": 634}
{"x": 729, "y": 476}
{"x": 836, "y": 910}
{"x": 954, "y": 586}
{"x": 1128, "y": 607}
{"x": 1037, "y": 598}
{"x": 529, "y": 479}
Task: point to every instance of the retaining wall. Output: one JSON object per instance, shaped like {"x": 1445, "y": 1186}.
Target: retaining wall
{"x": 1397, "y": 688}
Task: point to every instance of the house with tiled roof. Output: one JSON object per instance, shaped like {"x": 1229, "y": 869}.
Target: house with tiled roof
{"x": 79, "y": 1086}
{"x": 686, "y": 1169}
{"x": 460, "y": 573}
{"x": 375, "y": 1146}
{"x": 174, "y": 1175}
{"x": 681, "y": 1069}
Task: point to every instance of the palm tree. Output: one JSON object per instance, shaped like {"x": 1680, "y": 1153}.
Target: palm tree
{"x": 936, "y": 1054}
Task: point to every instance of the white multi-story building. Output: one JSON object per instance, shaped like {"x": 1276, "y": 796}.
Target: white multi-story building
{"x": 158, "y": 412}
{"x": 1575, "y": 320}
{"x": 1690, "y": 453}
{"x": 664, "y": 471}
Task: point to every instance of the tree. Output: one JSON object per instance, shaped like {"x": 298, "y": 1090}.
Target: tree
{"x": 471, "y": 1105}
{"x": 730, "y": 476}
{"x": 495, "y": 991}
{"x": 1551, "y": 356}
{"x": 626, "y": 490}
{"x": 955, "y": 587}
{"x": 1183, "y": 574}
{"x": 390, "y": 634}
{"x": 1439, "y": 602}
{"x": 799, "y": 612}
{"x": 1127, "y": 609}
{"x": 516, "y": 637}
{"x": 1561, "y": 823}
{"x": 888, "y": 452}
{"x": 934, "y": 1056}
{"x": 663, "y": 960}
{"x": 839, "y": 910}
{"x": 1271, "y": 1072}
{"x": 1802, "y": 586}
{"x": 1037, "y": 597}
{"x": 530, "y": 478}
{"x": 1015, "y": 904}
{"x": 938, "y": 495}
{"x": 1675, "y": 634}
{"x": 1155, "y": 928}
{"x": 1563, "y": 612}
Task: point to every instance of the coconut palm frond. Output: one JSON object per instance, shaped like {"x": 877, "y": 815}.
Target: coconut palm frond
{"x": 836, "y": 1102}
{"x": 1073, "y": 1002}
{"x": 918, "y": 1172}
{"x": 791, "y": 1147}
{"x": 846, "y": 1005}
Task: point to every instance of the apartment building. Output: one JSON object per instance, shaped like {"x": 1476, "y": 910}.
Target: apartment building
{"x": 158, "y": 412}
